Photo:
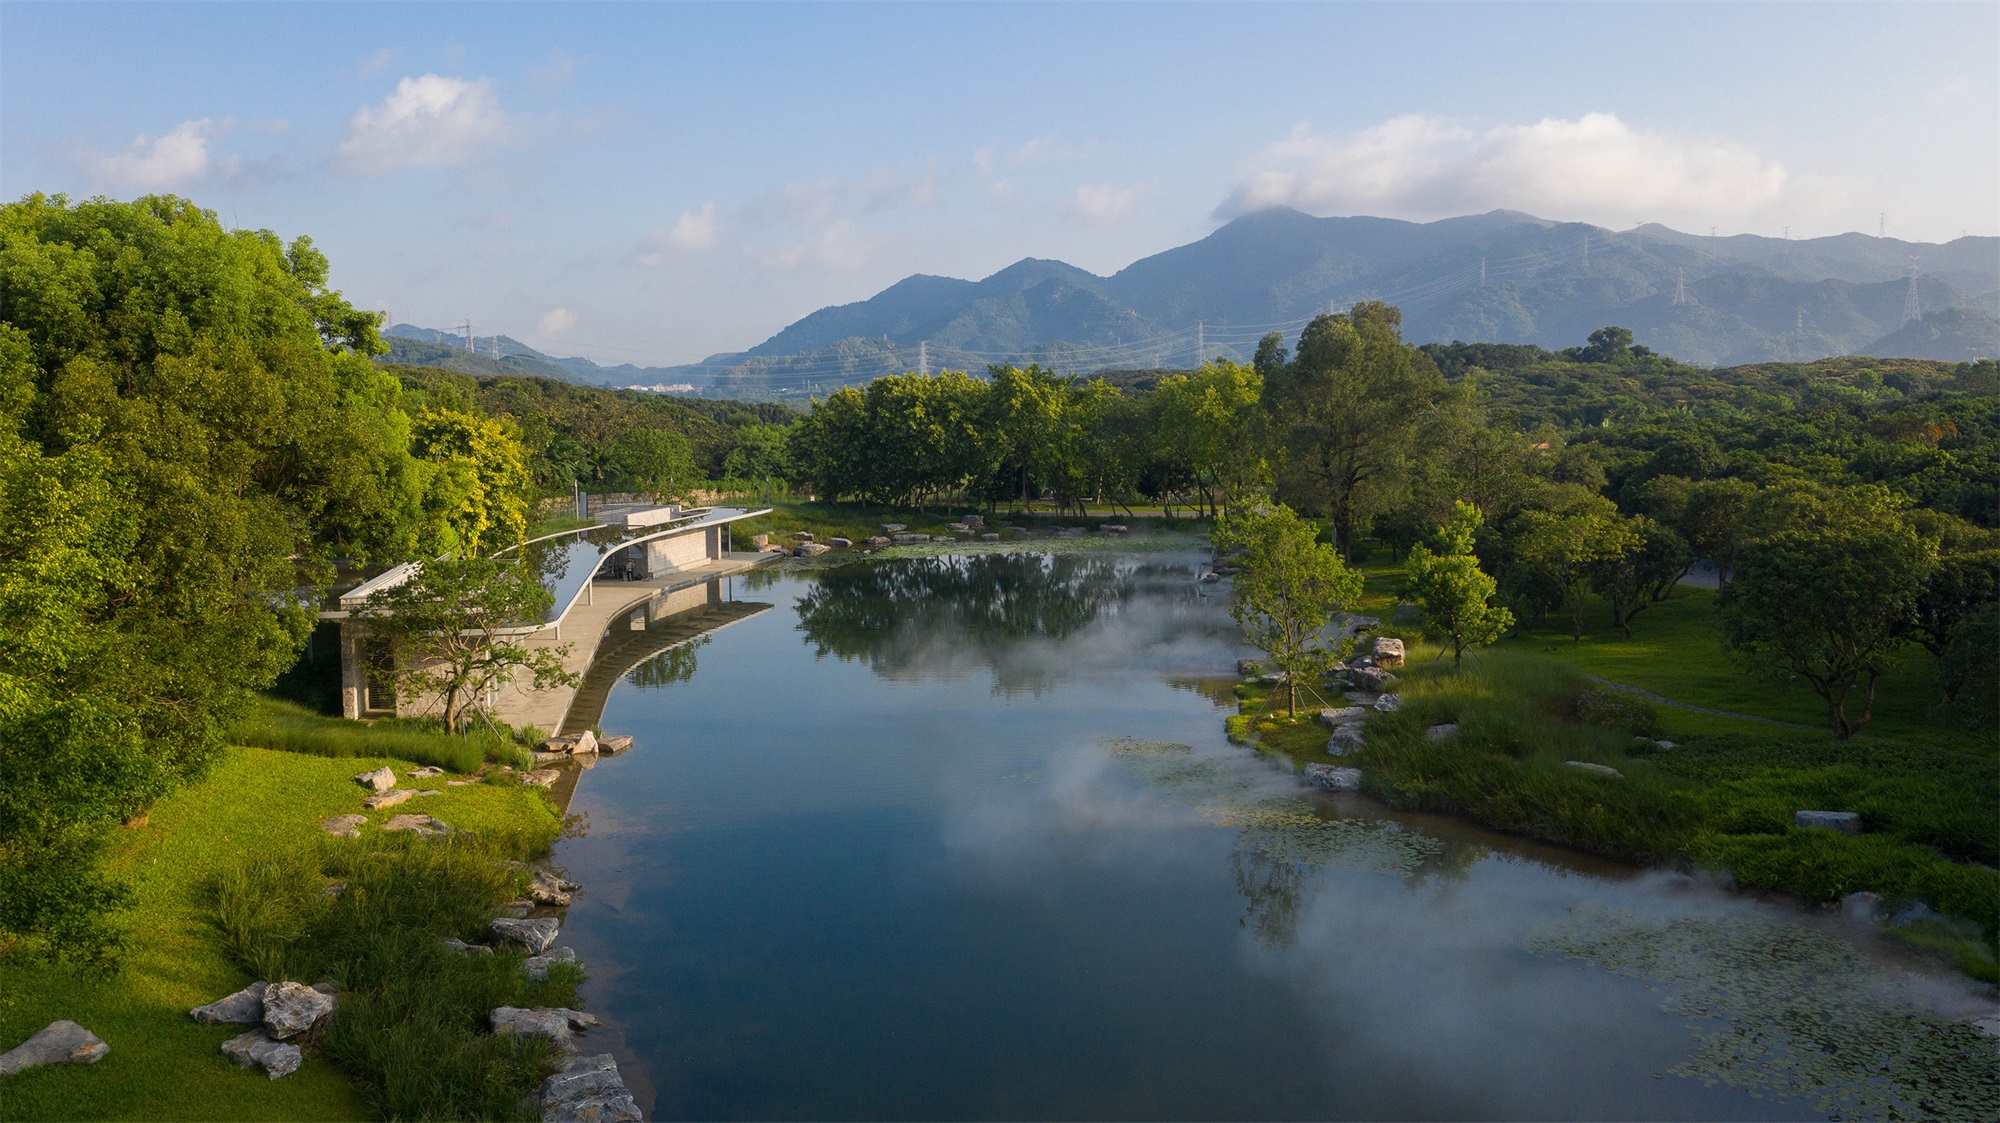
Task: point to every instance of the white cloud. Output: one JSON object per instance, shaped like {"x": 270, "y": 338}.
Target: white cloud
{"x": 800, "y": 202}
{"x": 560, "y": 68}
{"x": 176, "y": 159}
{"x": 1102, "y": 204}
{"x": 1595, "y": 168}
{"x": 839, "y": 246}
{"x": 890, "y": 189}
{"x": 557, "y": 321}
{"x": 694, "y": 230}
{"x": 426, "y": 122}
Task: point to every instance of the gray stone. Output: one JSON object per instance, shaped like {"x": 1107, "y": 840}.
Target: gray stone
{"x": 550, "y": 758}
{"x": 459, "y": 783}
{"x": 550, "y": 888}
{"x": 1387, "y": 703}
{"x": 1846, "y": 822}
{"x": 1359, "y": 624}
{"x": 1112, "y": 528}
{"x": 278, "y": 1058}
{"x": 1666, "y": 744}
{"x": 426, "y": 772}
{"x": 421, "y": 792}
{"x": 841, "y": 543}
{"x": 1440, "y": 732}
{"x": 333, "y": 889}
{"x": 1343, "y": 715}
{"x": 802, "y": 536}
{"x": 1388, "y": 651}
{"x": 423, "y": 825}
{"x": 1866, "y": 907}
{"x": 537, "y": 966}
{"x": 589, "y": 1090}
{"x": 1371, "y": 678}
{"x": 989, "y": 537}
{"x": 390, "y": 798}
{"x": 1604, "y": 770}
{"x": 244, "y": 1008}
{"x": 759, "y": 541}
{"x": 535, "y": 935}
{"x": 58, "y": 1043}
{"x": 463, "y": 948}
{"x": 877, "y": 540}
{"x": 541, "y": 777}
{"x": 974, "y": 521}
{"x": 959, "y": 528}
{"x": 894, "y": 528}
{"x": 556, "y": 1023}
{"x": 1346, "y": 739}
{"x": 810, "y": 549}
{"x": 293, "y": 1008}
{"x": 584, "y": 745}
{"x": 1333, "y": 779}
{"x": 909, "y": 539}
{"x": 380, "y": 780}
{"x": 517, "y": 909}
{"x": 615, "y": 744}
{"x": 346, "y": 826}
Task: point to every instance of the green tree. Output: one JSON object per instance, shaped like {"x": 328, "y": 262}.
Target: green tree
{"x": 763, "y": 452}
{"x": 477, "y": 498}
{"x": 1290, "y": 586}
{"x": 1028, "y": 405}
{"x": 1456, "y": 596}
{"x": 1642, "y": 575}
{"x": 1210, "y": 422}
{"x": 1558, "y": 550}
{"x": 1350, "y": 404}
{"x": 1826, "y": 587}
{"x": 656, "y": 462}
{"x": 453, "y": 628}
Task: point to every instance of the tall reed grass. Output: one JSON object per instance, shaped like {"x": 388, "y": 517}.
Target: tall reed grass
{"x": 273, "y": 723}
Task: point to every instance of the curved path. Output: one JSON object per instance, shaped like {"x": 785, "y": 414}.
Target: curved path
{"x": 1662, "y": 700}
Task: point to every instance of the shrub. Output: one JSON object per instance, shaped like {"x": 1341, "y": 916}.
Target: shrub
{"x": 1614, "y": 709}
{"x": 275, "y": 724}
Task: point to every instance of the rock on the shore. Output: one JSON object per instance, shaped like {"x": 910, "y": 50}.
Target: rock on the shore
{"x": 536, "y": 935}
{"x": 1372, "y": 678}
{"x": 1388, "y": 703}
{"x": 380, "y": 780}
{"x": 1388, "y": 651}
{"x": 894, "y": 528}
{"x": 556, "y": 1023}
{"x": 802, "y": 536}
{"x": 1604, "y": 770}
{"x": 463, "y": 948}
{"x": 345, "y": 826}
{"x": 841, "y": 543}
{"x": 1343, "y": 715}
{"x": 585, "y": 744}
{"x": 424, "y": 825}
{"x": 278, "y": 1058}
{"x": 426, "y": 772}
{"x": 989, "y": 536}
{"x": 537, "y": 966}
{"x": 589, "y": 1091}
{"x": 1346, "y": 739}
{"x": 877, "y": 540}
{"x": 1846, "y": 822}
{"x": 390, "y": 798}
{"x": 58, "y": 1043}
{"x": 293, "y": 1008}
{"x": 550, "y": 888}
{"x": 1866, "y": 907}
{"x": 541, "y": 777}
{"x": 810, "y": 549}
{"x": 615, "y": 744}
{"x": 1332, "y": 778}
{"x": 244, "y": 1008}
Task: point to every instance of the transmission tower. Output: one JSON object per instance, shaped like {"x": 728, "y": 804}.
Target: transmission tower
{"x": 468, "y": 338}
{"x": 1881, "y": 224}
{"x": 1482, "y": 272}
{"x": 1680, "y": 286}
{"x": 1912, "y": 310}
{"x": 1799, "y": 323}
{"x": 1586, "y": 255}
{"x": 1200, "y": 341}
{"x": 924, "y": 358}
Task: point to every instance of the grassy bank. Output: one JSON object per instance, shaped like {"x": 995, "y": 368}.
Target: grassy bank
{"x": 857, "y": 522}
{"x": 274, "y": 723}
{"x": 1722, "y": 799}
{"x": 162, "y": 1065}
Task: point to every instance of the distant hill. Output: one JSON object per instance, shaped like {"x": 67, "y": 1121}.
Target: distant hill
{"x": 1955, "y": 335}
{"x": 1497, "y": 277}
{"x": 411, "y": 345}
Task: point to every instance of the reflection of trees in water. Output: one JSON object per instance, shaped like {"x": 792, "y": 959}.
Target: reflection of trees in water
{"x": 936, "y": 612}
{"x": 674, "y": 665}
{"x": 1274, "y": 892}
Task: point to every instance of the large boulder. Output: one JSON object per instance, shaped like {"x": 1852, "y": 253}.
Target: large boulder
{"x": 1346, "y": 739}
{"x": 277, "y": 1058}
{"x": 426, "y": 772}
{"x": 537, "y": 967}
{"x": 615, "y": 744}
{"x": 244, "y": 1008}
{"x": 390, "y": 798}
{"x": 1603, "y": 770}
{"x": 584, "y": 745}
{"x": 810, "y": 549}
{"x": 1388, "y": 651}
{"x": 536, "y": 935}
{"x": 1333, "y": 779}
{"x": 1372, "y": 678}
{"x": 553, "y": 1022}
{"x": 989, "y": 536}
{"x": 380, "y": 780}
{"x": 802, "y": 536}
{"x": 974, "y": 521}
{"x": 1846, "y": 822}
{"x": 541, "y": 777}
{"x": 291, "y": 1009}
{"x": 841, "y": 543}
{"x": 424, "y": 825}
{"x": 58, "y": 1043}
{"x": 589, "y": 1090}
{"x": 894, "y": 528}
{"x": 1387, "y": 703}
{"x": 454, "y": 944}
{"x": 1343, "y": 715}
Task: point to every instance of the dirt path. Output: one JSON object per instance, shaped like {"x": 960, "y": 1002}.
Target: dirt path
{"x": 1665, "y": 701}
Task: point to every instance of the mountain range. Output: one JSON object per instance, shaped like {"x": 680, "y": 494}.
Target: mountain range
{"x": 1501, "y": 277}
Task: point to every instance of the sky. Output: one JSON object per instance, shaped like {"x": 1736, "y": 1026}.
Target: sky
{"x": 653, "y": 183}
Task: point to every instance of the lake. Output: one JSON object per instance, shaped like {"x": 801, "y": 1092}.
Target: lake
{"x": 960, "y": 837}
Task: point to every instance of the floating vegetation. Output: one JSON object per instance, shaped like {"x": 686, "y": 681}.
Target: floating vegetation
{"x": 1781, "y": 1008}
{"x": 1133, "y": 746}
{"x": 1281, "y": 828}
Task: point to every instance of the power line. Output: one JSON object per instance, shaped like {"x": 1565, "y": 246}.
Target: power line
{"x": 1912, "y": 310}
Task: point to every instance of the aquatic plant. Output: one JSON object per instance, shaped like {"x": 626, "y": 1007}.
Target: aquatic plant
{"x": 1779, "y": 1008}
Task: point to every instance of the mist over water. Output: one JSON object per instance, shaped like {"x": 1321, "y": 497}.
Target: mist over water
{"x": 939, "y": 838}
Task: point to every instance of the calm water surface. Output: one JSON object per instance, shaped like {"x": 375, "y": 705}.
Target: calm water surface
{"x": 881, "y": 853}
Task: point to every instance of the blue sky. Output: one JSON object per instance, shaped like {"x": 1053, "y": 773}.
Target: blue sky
{"x": 655, "y": 182}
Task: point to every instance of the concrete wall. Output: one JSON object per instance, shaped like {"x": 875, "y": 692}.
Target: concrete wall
{"x": 681, "y": 551}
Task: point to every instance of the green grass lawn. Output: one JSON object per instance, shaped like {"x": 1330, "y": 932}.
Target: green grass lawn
{"x": 162, "y": 1065}
{"x": 857, "y": 522}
